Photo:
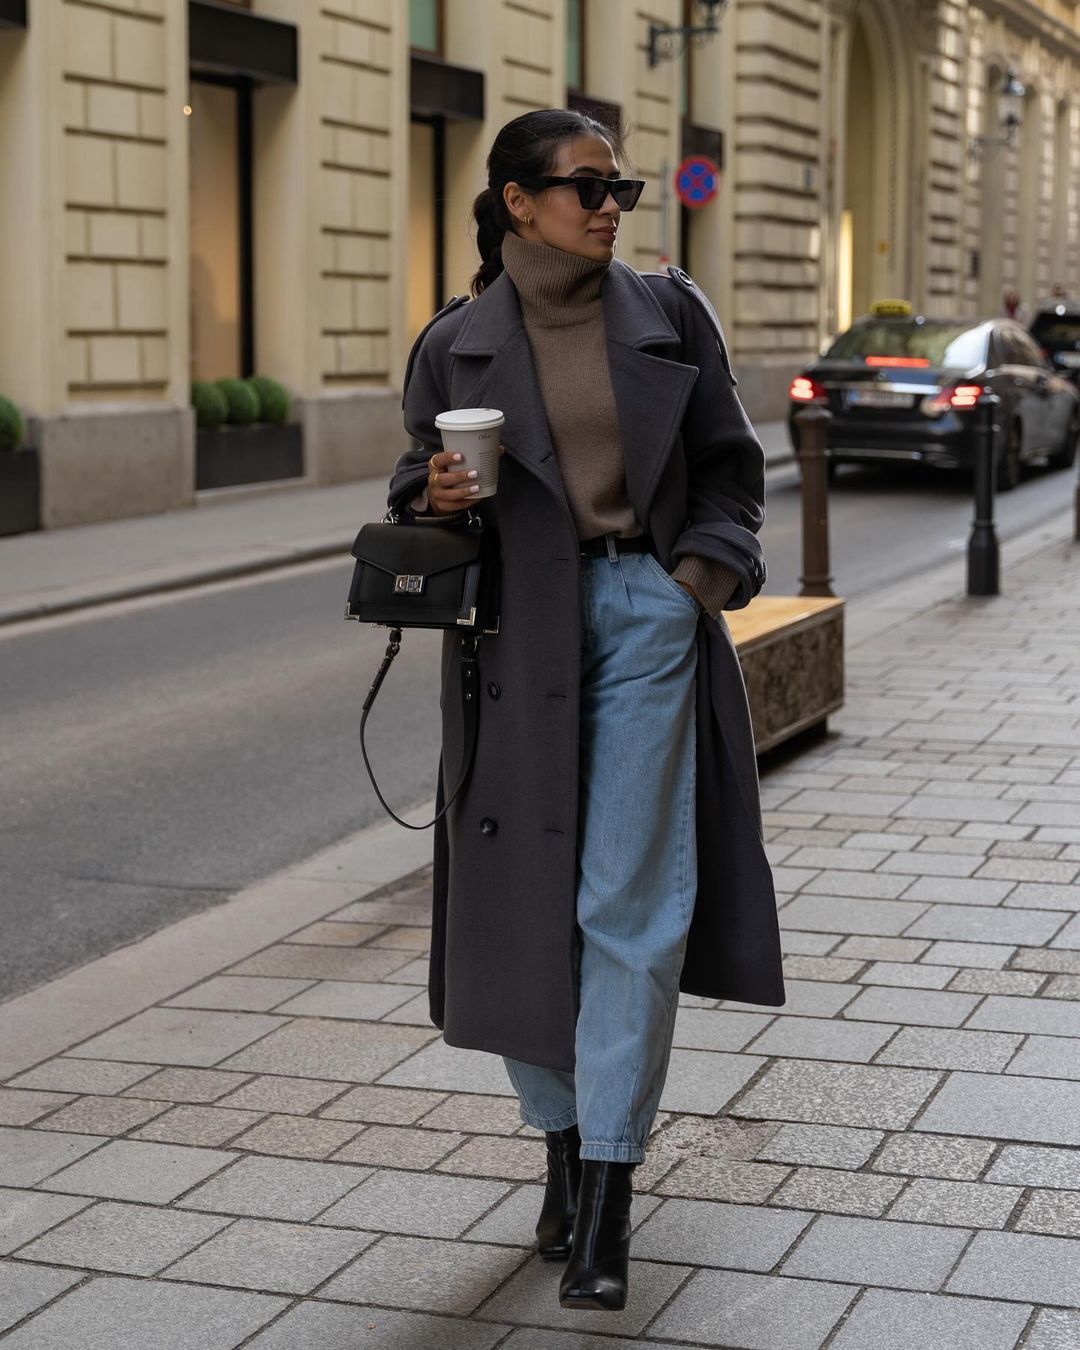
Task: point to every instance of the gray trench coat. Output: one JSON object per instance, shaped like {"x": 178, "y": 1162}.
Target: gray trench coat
{"x": 503, "y": 974}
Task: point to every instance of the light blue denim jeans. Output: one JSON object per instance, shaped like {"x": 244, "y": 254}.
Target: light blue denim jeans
{"x": 637, "y": 857}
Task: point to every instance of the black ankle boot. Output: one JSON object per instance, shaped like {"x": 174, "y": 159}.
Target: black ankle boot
{"x": 555, "y": 1227}
{"x": 597, "y": 1271}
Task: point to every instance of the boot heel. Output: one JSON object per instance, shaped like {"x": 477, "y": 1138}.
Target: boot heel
{"x": 555, "y": 1227}
{"x": 597, "y": 1272}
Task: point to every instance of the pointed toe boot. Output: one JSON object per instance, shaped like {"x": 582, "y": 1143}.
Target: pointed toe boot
{"x": 597, "y": 1271}
{"x": 555, "y": 1227}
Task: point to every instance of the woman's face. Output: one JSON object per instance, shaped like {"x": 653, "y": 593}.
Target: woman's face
{"x": 557, "y": 217}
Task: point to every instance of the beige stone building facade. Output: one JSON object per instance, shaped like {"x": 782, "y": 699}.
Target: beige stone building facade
{"x": 220, "y": 187}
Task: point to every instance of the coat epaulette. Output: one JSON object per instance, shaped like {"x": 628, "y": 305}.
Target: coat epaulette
{"x": 686, "y": 283}
{"x": 455, "y": 302}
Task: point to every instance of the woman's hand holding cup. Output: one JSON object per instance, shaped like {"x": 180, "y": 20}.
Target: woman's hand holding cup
{"x": 450, "y": 485}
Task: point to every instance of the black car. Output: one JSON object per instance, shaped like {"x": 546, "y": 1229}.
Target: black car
{"x": 1056, "y": 328}
{"x": 904, "y": 387}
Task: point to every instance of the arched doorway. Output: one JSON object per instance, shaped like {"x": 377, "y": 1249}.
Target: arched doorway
{"x": 873, "y": 256}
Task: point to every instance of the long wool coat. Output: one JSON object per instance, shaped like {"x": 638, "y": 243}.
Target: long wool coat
{"x": 503, "y": 974}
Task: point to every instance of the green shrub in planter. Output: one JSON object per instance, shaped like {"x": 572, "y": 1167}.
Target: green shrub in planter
{"x": 242, "y": 401}
{"x": 273, "y": 399}
{"x": 11, "y": 425}
{"x": 209, "y": 404}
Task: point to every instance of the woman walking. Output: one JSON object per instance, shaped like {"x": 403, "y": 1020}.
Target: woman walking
{"x": 607, "y": 848}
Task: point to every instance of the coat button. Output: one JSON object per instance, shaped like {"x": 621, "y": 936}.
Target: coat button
{"x": 493, "y": 690}
{"x": 488, "y": 826}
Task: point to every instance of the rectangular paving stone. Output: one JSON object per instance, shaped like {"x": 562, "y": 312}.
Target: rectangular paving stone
{"x": 276, "y": 1188}
{"x": 990, "y": 955}
{"x": 333, "y": 1326}
{"x": 820, "y": 1145}
{"x": 473, "y": 1113}
{"x": 888, "y": 1320}
{"x": 400, "y": 1146}
{"x": 528, "y": 1299}
{"x": 835, "y": 914}
{"x": 330, "y": 933}
{"x": 928, "y": 864}
{"x": 358, "y": 1000}
{"x": 838, "y": 1094}
{"x": 420, "y": 1204}
{"x": 178, "y": 1036}
{"x": 822, "y": 1038}
{"x": 1050, "y": 960}
{"x": 834, "y": 969}
{"x": 23, "y": 1289}
{"x": 959, "y": 891}
{"x": 1040, "y": 1110}
{"x": 391, "y": 1106}
{"x": 745, "y": 1183}
{"x": 962, "y": 809}
{"x": 918, "y": 1007}
{"x": 509, "y": 1159}
{"x": 809, "y": 998}
{"x": 126, "y": 1169}
{"x": 707, "y": 1232}
{"x": 339, "y": 1050}
{"x": 942, "y": 1048}
{"x": 125, "y": 1239}
{"x": 296, "y": 1136}
{"x": 719, "y": 1029}
{"x": 969, "y": 1204}
{"x": 754, "y": 1312}
{"x": 22, "y": 1106}
{"x": 426, "y": 1274}
{"x": 1048, "y": 1057}
{"x": 27, "y": 1214}
{"x": 1054, "y": 1329}
{"x": 832, "y": 1191}
{"x": 1022, "y": 1266}
{"x": 858, "y": 885}
{"x": 446, "y": 1068}
{"x": 877, "y": 1251}
{"x": 705, "y": 1081}
{"x": 286, "y": 1258}
{"x": 971, "y": 923}
{"x": 29, "y": 1156}
{"x": 882, "y": 948}
{"x": 1055, "y": 1212}
{"x": 838, "y": 803}
{"x": 102, "y": 1115}
{"x": 902, "y": 975}
{"x": 187, "y": 1085}
{"x": 1028, "y": 1165}
{"x": 147, "y": 1315}
{"x": 295, "y": 961}
{"x": 287, "y": 1096}
{"x": 207, "y": 1126}
{"x": 1020, "y": 982}
{"x": 1047, "y": 1017}
{"x": 76, "y": 1075}
{"x": 238, "y": 993}
{"x": 846, "y": 859}
{"x": 807, "y": 944}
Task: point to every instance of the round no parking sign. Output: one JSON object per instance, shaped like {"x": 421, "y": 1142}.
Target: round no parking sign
{"x": 697, "y": 181}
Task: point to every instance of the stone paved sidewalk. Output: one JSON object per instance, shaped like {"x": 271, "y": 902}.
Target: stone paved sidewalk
{"x": 286, "y": 1156}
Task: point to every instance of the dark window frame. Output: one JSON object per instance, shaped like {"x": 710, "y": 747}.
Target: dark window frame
{"x": 437, "y": 122}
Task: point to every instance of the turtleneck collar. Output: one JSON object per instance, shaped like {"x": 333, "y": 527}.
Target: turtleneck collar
{"x": 556, "y": 288}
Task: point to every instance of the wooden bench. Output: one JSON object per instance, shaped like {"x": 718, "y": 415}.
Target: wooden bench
{"x": 792, "y": 655}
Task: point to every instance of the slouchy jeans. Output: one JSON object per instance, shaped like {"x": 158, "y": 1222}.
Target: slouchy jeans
{"x": 637, "y": 857}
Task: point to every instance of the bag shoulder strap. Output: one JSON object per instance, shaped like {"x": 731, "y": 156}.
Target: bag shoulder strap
{"x": 470, "y": 709}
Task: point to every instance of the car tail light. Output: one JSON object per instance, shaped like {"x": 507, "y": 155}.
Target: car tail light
{"x": 953, "y": 398}
{"x": 903, "y": 362}
{"x": 805, "y": 390}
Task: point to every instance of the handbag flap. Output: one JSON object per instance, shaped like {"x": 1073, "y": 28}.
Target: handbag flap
{"x": 424, "y": 549}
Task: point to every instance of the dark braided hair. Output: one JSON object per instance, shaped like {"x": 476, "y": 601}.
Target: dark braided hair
{"x": 525, "y": 148}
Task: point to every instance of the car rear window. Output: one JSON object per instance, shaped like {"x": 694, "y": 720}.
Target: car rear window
{"x": 955, "y": 346}
{"x": 1055, "y": 330}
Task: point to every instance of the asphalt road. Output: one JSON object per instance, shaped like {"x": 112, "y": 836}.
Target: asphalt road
{"x": 156, "y": 757}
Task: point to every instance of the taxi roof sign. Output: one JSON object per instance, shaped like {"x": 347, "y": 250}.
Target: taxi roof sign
{"x": 891, "y": 309}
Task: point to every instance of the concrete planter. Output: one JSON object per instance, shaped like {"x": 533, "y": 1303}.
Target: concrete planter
{"x": 20, "y": 491}
{"x": 261, "y": 453}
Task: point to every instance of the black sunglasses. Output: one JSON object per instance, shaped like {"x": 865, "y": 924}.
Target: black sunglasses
{"x": 593, "y": 192}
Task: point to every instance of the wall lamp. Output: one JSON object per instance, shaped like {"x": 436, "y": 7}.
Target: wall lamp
{"x": 666, "y": 43}
{"x": 1010, "y": 104}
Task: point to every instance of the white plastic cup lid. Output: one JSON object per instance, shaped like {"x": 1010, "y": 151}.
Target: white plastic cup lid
{"x": 469, "y": 419}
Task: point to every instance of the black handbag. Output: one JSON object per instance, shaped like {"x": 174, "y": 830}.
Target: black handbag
{"x": 435, "y": 574}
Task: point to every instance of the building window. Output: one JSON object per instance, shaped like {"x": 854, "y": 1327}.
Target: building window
{"x": 222, "y": 328}
{"x": 575, "y": 44}
{"x": 426, "y": 26}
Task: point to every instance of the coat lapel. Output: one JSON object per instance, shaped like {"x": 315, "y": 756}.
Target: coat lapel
{"x": 651, "y": 385}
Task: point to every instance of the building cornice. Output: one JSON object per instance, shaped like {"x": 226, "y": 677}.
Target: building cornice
{"x": 1026, "y": 18}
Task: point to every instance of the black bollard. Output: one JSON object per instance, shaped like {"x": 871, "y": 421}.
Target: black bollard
{"x": 983, "y": 556}
{"x": 813, "y": 424}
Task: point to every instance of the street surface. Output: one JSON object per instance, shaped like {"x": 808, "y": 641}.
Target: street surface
{"x": 159, "y": 755}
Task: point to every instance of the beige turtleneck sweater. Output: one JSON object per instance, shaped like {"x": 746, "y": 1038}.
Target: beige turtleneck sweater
{"x": 563, "y": 316}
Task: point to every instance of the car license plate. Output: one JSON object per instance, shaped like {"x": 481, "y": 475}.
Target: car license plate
{"x": 879, "y": 398}
{"x": 1069, "y": 358}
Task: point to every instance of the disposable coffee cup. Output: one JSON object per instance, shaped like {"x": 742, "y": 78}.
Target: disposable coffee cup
{"x": 473, "y": 433}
